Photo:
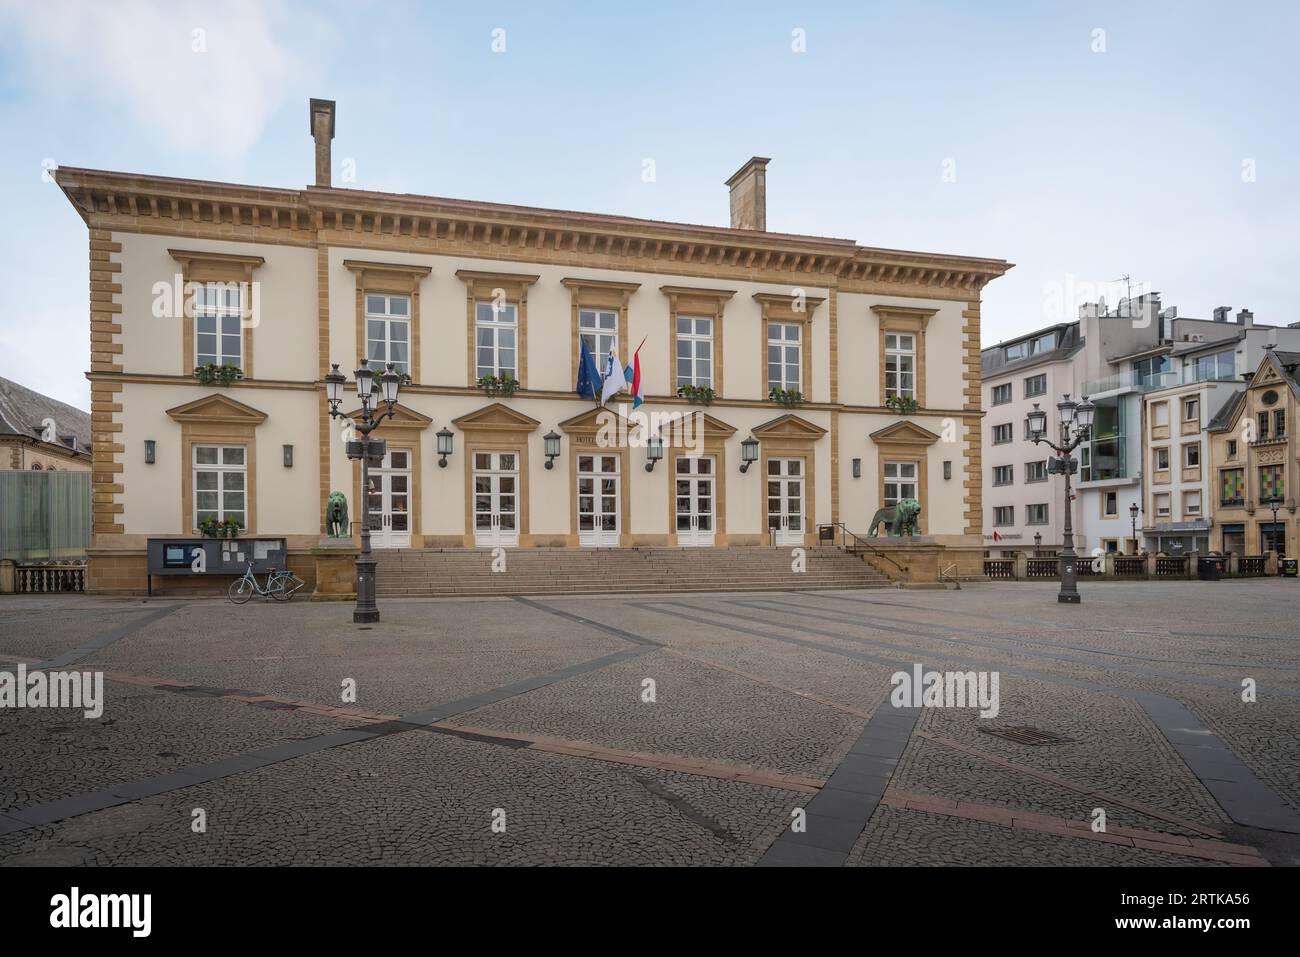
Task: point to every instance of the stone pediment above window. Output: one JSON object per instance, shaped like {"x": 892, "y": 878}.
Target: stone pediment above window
{"x": 403, "y": 418}
{"x": 495, "y": 418}
{"x": 217, "y": 408}
{"x": 198, "y": 265}
{"x": 789, "y": 427}
{"x": 904, "y": 433}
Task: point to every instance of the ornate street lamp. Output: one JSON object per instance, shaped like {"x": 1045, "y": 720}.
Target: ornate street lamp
{"x": 1133, "y": 516}
{"x": 654, "y": 451}
{"x": 551, "y": 446}
{"x": 370, "y": 452}
{"x": 444, "y": 446}
{"x": 1076, "y": 426}
{"x": 1038, "y": 543}
{"x": 1275, "y": 503}
{"x": 748, "y": 453}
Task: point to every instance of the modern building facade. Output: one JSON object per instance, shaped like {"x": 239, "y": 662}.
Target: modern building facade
{"x": 484, "y": 309}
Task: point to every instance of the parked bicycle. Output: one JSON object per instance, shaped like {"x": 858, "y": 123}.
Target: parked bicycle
{"x": 281, "y": 584}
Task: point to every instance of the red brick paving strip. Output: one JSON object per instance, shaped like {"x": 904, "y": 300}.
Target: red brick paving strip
{"x": 1223, "y": 851}
{"x": 1050, "y": 778}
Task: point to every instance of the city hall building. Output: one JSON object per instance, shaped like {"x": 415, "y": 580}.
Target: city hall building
{"x": 217, "y": 310}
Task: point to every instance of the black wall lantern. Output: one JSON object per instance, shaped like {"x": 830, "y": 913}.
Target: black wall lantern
{"x": 150, "y": 449}
{"x": 748, "y": 453}
{"x": 551, "y": 445}
{"x": 654, "y": 451}
{"x": 857, "y": 468}
{"x": 444, "y": 446}
{"x": 947, "y": 469}
{"x": 288, "y": 456}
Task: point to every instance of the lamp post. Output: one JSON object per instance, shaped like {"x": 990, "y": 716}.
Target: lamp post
{"x": 1038, "y": 544}
{"x": 1076, "y": 426}
{"x": 369, "y": 451}
{"x": 1275, "y": 503}
{"x": 1133, "y": 517}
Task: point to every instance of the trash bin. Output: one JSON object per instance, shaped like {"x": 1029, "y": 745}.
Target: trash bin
{"x": 1290, "y": 567}
{"x": 1210, "y": 569}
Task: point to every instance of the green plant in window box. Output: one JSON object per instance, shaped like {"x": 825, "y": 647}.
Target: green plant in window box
{"x": 404, "y": 377}
{"x": 903, "y": 405}
{"x": 697, "y": 394}
{"x": 498, "y": 385}
{"x": 211, "y": 528}
{"x": 210, "y": 373}
{"x": 786, "y": 397}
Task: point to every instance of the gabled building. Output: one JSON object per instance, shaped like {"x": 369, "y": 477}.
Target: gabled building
{"x": 216, "y": 311}
{"x": 37, "y": 432}
{"x": 1253, "y": 454}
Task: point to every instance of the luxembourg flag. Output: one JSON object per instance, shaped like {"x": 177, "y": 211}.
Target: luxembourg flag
{"x": 633, "y": 376}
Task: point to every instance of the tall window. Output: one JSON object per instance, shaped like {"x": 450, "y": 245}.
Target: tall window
{"x": 1110, "y": 505}
{"x": 1272, "y": 484}
{"x": 900, "y": 481}
{"x": 1279, "y": 423}
{"x": 784, "y": 356}
{"x": 388, "y": 331}
{"x": 1162, "y": 503}
{"x": 1162, "y": 458}
{"x": 1263, "y": 425}
{"x": 598, "y": 328}
{"x": 1191, "y": 503}
{"x": 495, "y": 328}
{"x": 1191, "y": 410}
{"x": 900, "y": 365}
{"x": 1233, "y": 488}
{"x": 694, "y": 351}
{"x": 218, "y": 338}
{"x": 1036, "y": 385}
{"x": 1192, "y": 455}
{"x": 220, "y": 490}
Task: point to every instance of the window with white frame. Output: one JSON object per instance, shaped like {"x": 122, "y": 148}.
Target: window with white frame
{"x": 220, "y": 484}
{"x": 1002, "y": 475}
{"x": 1191, "y": 410}
{"x": 1110, "y": 504}
{"x": 1036, "y": 471}
{"x": 1162, "y": 503}
{"x": 1162, "y": 458}
{"x": 598, "y": 328}
{"x": 496, "y": 327}
{"x": 900, "y": 365}
{"x": 1036, "y": 514}
{"x": 1191, "y": 503}
{"x": 388, "y": 331}
{"x": 900, "y": 482}
{"x": 1160, "y": 414}
{"x": 1004, "y": 515}
{"x": 785, "y": 356}
{"x": 694, "y": 351}
{"x": 1192, "y": 455}
{"x": 218, "y": 338}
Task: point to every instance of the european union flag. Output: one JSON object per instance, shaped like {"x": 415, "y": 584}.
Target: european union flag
{"x": 589, "y": 381}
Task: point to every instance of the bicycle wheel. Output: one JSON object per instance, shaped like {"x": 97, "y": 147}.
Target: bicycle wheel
{"x": 240, "y": 591}
{"x": 286, "y": 586}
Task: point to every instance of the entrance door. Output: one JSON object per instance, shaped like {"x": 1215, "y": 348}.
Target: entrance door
{"x": 496, "y": 499}
{"x": 694, "y": 497}
{"x": 598, "y": 500}
{"x": 785, "y": 519}
{"x": 389, "y": 501}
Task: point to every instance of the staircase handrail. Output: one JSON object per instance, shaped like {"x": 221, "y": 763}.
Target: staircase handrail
{"x": 863, "y": 544}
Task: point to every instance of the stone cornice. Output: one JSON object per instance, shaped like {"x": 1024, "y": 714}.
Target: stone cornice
{"x": 492, "y": 230}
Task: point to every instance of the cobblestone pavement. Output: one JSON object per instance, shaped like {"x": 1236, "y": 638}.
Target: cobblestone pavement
{"x": 691, "y": 729}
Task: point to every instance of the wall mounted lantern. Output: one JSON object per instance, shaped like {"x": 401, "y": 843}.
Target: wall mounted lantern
{"x": 748, "y": 453}
{"x": 947, "y": 469}
{"x": 150, "y": 451}
{"x": 288, "y": 456}
{"x": 444, "y": 446}
{"x": 857, "y": 468}
{"x": 551, "y": 445}
{"x": 654, "y": 451}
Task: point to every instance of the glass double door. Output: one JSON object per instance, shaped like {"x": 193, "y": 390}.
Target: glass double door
{"x": 695, "y": 502}
{"x": 785, "y": 501}
{"x": 496, "y": 499}
{"x": 388, "y": 501}
{"x": 599, "y": 494}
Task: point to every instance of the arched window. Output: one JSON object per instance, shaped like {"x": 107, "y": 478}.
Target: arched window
{"x": 36, "y": 467}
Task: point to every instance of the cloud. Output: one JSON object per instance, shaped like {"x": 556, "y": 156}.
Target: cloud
{"x": 198, "y": 77}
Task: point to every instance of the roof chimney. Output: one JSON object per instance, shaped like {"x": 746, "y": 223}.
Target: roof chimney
{"x": 322, "y": 131}
{"x": 1221, "y": 313}
{"x": 1245, "y": 318}
{"x": 749, "y": 195}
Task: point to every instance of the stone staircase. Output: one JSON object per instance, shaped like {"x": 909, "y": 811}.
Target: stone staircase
{"x": 553, "y": 571}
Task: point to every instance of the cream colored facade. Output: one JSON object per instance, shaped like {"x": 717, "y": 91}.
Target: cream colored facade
{"x": 315, "y": 253}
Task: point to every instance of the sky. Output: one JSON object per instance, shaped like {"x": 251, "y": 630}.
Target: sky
{"x": 1083, "y": 141}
